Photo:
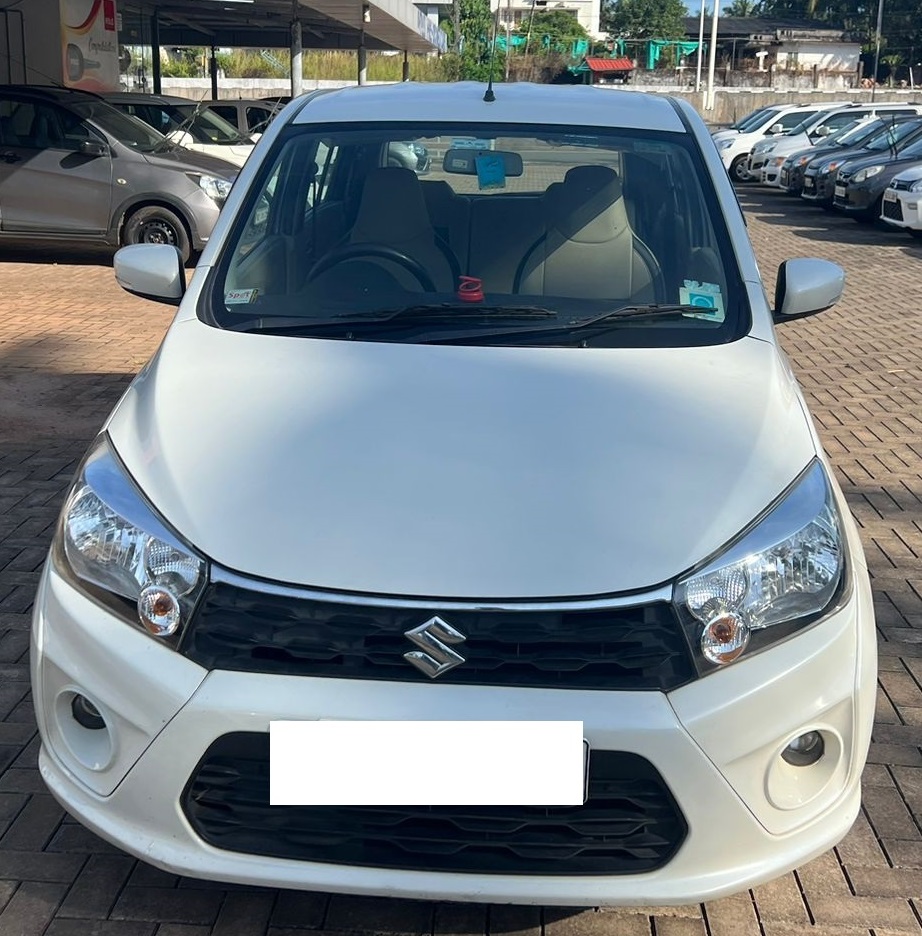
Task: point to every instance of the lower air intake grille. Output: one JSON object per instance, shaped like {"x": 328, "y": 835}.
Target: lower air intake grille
{"x": 629, "y": 824}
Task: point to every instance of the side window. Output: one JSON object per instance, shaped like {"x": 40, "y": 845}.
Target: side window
{"x": 326, "y": 159}
{"x": 837, "y": 121}
{"x": 789, "y": 121}
{"x": 257, "y": 119}
{"x": 227, "y": 111}
{"x": 36, "y": 126}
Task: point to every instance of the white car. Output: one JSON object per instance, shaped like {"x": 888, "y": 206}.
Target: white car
{"x": 189, "y": 124}
{"x": 767, "y": 157}
{"x": 424, "y": 465}
{"x": 735, "y": 145}
{"x": 901, "y": 205}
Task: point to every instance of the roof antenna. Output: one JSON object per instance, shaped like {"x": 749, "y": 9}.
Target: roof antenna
{"x": 488, "y": 96}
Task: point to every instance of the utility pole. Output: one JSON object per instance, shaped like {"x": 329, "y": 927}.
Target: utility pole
{"x": 700, "y": 46}
{"x": 296, "y": 70}
{"x": 880, "y": 20}
{"x": 712, "y": 58}
{"x": 508, "y": 34}
{"x": 456, "y": 24}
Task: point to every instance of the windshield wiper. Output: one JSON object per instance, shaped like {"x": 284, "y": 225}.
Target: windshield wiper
{"x": 432, "y": 312}
{"x": 602, "y": 320}
{"x": 447, "y": 314}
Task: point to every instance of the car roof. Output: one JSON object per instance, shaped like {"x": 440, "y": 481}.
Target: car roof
{"x": 51, "y": 92}
{"x": 517, "y": 102}
{"x": 129, "y": 96}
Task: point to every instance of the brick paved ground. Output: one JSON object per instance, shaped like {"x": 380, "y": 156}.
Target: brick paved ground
{"x": 69, "y": 341}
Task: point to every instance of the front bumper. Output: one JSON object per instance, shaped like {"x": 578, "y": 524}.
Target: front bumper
{"x": 817, "y": 188}
{"x": 716, "y": 742}
{"x": 902, "y": 209}
{"x": 854, "y": 198}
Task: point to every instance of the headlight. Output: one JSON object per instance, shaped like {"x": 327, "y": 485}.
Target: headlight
{"x": 120, "y": 552}
{"x": 868, "y": 173}
{"x": 803, "y": 160}
{"x": 916, "y": 186}
{"x": 782, "y": 573}
{"x": 778, "y": 160}
{"x": 214, "y": 187}
{"x": 725, "y": 144}
{"x": 765, "y": 147}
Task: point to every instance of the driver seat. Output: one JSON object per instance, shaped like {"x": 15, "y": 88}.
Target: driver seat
{"x": 589, "y": 249}
{"x": 393, "y": 212}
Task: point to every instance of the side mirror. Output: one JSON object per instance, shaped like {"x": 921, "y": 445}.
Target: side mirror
{"x": 151, "y": 271}
{"x": 93, "y": 148}
{"x": 822, "y": 131}
{"x": 776, "y": 128}
{"x": 806, "y": 286}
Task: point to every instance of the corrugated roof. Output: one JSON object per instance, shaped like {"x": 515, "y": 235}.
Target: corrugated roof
{"x": 606, "y": 64}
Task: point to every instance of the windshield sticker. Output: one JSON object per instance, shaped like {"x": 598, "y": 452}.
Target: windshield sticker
{"x": 491, "y": 171}
{"x": 240, "y": 296}
{"x": 705, "y": 295}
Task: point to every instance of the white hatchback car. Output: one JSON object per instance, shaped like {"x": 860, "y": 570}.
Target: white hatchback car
{"x": 511, "y": 444}
{"x": 901, "y": 204}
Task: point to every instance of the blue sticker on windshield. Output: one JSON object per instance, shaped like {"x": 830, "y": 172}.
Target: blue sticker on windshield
{"x": 705, "y": 296}
{"x": 491, "y": 171}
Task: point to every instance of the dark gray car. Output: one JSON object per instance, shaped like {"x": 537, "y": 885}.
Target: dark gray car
{"x": 72, "y": 167}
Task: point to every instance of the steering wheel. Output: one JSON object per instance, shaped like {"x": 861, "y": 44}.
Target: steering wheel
{"x": 353, "y": 251}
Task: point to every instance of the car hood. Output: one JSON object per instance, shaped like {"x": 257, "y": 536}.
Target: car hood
{"x": 459, "y": 472}
{"x": 880, "y": 159}
{"x": 912, "y": 173}
{"x": 179, "y": 157}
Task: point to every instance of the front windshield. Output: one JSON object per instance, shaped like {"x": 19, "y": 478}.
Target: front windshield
{"x": 892, "y": 136}
{"x": 125, "y": 128}
{"x": 857, "y": 134}
{"x": 204, "y": 127}
{"x": 756, "y": 118}
{"x": 464, "y": 232}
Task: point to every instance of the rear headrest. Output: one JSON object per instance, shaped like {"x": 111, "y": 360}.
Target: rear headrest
{"x": 392, "y": 208}
{"x": 587, "y": 206}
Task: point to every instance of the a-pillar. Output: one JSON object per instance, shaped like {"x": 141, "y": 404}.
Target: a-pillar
{"x": 155, "y": 52}
{"x": 297, "y": 68}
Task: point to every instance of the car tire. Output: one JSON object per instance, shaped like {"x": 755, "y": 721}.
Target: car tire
{"x": 915, "y": 234}
{"x": 738, "y": 171}
{"x": 157, "y": 225}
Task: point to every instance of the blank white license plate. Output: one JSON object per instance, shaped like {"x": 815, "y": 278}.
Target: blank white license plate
{"x": 889, "y": 195}
{"x": 808, "y": 182}
{"x": 840, "y": 191}
{"x": 427, "y": 763}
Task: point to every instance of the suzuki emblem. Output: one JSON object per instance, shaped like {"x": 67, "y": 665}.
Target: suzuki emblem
{"x": 434, "y": 656}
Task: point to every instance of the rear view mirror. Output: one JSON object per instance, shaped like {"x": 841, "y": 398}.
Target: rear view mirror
{"x": 151, "y": 271}
{"x": 806, "y": 286}
{"x": 93, "y": 148}
{"x": 464, "y": 161}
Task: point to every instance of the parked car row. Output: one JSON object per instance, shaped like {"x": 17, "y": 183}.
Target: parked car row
{"x": 864, "y": 161}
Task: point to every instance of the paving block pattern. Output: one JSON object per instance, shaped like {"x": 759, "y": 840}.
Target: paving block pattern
{"x": 70, "y": 341}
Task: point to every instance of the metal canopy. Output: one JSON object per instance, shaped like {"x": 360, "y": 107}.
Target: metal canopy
{"x": 325, "y": 24}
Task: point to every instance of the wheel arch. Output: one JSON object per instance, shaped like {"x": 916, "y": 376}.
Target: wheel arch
{"x": 132, "y": 205}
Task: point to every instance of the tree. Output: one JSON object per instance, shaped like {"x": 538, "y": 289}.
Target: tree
{"x": 743, "y": 8}
{"x": 559, "y": 25}
{"x": 477, "y": 23}
{"x": 646, "y": 19}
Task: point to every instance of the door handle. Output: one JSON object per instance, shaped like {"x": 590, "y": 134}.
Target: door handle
{"x": 10, "y": 157}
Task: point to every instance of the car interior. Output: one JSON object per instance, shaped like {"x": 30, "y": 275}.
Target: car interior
{"x": 622, "y": 220}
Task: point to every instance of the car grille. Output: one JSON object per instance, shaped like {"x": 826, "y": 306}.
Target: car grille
{"x": 629, "y": 824}
{"x": 893, "y": 210}
{"x": 638, "y": 647}
{"x": 902, "y": 185}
